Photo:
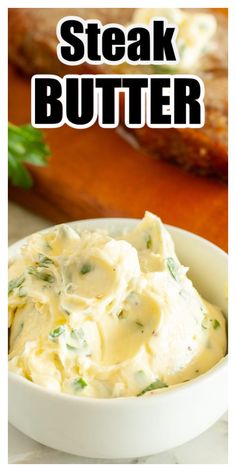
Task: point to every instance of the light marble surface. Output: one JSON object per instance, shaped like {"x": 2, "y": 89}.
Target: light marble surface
{"x": 208, "y": 448}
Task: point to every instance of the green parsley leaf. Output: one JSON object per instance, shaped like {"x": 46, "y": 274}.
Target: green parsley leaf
{"x": 25, "y": 145}
{"x": 148, "y": 241}
{"x": 153, "y": 386}
{"x": 44, "y": 261}
{"x": 15, "y": 283}
{"x": 41, "y": 275}
{"x": 215, "y": 324}
{"x": 85, "y": 268}
{"x": 79, "y": 384}
{"x": 56, "y": 332}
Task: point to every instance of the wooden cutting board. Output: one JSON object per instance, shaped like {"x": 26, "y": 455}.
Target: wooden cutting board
{"x": 95, "y": 172}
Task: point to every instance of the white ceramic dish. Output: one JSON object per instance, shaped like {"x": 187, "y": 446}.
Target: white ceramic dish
{"x": 133, "y": 426}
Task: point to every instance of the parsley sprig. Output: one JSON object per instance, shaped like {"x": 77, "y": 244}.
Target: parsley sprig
{"x": 25, "y": 145}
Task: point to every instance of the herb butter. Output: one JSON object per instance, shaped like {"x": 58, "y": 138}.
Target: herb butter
{"x": 98, "y": 316}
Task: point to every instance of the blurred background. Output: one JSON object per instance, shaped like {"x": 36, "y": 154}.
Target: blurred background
{"x": 68, "y": 174}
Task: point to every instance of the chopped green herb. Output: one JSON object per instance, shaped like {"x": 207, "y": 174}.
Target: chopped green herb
{"x": 15, "y": 283}
{"x": 44, "y": 261}
{"x": 148, "y": 241}
{"x": 41, "y": 275}
{"x": 153, "y": 386}
{"x": 56, "y": 332}
{"x": 22, "y": 292}
{"x": 85, "y": 268}
{"x": 215, "y": 324}
{"x": 173, "y": 268}
{"x": 79, "y": 384}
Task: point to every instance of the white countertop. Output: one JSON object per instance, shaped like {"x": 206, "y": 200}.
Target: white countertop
{"x": 208, "y": 448}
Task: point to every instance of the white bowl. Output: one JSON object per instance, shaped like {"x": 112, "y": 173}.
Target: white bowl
{"x": 133, "y": 426}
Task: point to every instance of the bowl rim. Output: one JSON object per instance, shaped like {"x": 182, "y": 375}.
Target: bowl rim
{"x": 217, "y": 369}
{"x": 176, "y": 229}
